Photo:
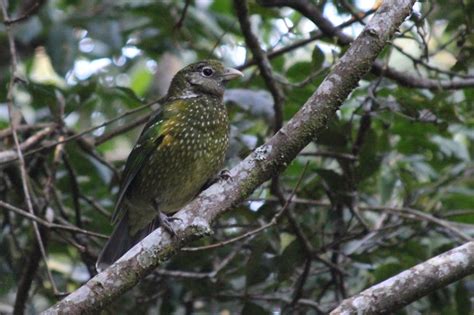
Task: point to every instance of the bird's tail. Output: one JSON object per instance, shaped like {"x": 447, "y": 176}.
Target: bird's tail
{"x": 120, "y": 242}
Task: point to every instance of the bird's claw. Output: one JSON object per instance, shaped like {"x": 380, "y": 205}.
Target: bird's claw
{"x": 165, "y": 221}
{"x": 225, "y": 175}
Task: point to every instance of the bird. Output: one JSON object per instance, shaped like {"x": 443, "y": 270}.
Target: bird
{"x": 180, "y": 150}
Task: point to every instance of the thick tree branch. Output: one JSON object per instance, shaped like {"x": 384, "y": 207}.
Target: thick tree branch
{"x": 262, "y": 164}
{"x": 410, "y": 285}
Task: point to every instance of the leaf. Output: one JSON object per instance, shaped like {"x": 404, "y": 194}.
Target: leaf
{"x": 141, "y": 79}
{"x": 386, "y": 271}
{"x": 462, "y": 298}
{"x": 317, "y": 58}
{"x": 253, "y": 309}
{"x": 258, "y": 266}
{"x": 299, "y": 71}
{"x": 291, "y": 257}
{"x": 259, "y": 103}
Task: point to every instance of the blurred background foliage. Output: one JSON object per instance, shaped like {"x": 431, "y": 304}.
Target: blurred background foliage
{"x": 388, "y": 184}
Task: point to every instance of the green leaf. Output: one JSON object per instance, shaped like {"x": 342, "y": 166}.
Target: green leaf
{"x": 258, "y": 267}
{"x": 253, "y": 309}
{"x": 385, "y": 271}
{"x": 140, "y": 79}
{"x": 299, "y": 71}
{"x": 463, "y": 299}
{"x": 291, "y": 257}
{"x": 317, "y": 58}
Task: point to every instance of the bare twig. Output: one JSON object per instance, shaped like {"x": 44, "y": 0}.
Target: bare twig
{"x": 84, "y": 132}
{"x": 22, "y": 165}
{"x": 33, "y": 140}
{"x": 406, "y": 212}
{"x": 312, "y": 12}
{"x": 96, "y": 206}
{"x": 275, "y": 298}
{"x": 26, "y": 279}
{"x": 298, "y": 293}
{"x": 179, "y": 24}
{"x": 262, "y": 62}
{"x": 335, "y": 155}
{"x": 121, "y": 129}
{"x": 203, "y": 275}
{"x": 32, "y": 10}
{"x": 419, "y": 215}
{"x": 50, "y": 225}
{"x": 23, "y": 128}
{"x": 297, "y": 44}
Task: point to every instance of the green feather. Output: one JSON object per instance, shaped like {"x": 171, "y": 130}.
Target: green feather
{"x": 147, "y": 143}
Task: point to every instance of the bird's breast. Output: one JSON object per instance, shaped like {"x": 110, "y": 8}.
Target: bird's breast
{"x": 191, "y": 152}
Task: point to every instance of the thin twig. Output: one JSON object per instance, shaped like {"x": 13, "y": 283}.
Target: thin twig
{"x": 406, "y": 212}
{"x": 32, "y": 10}
{"x": 50, "y": 225}
{"x": 23, "y": 128}
{"x": 312, "y": 12}
{"x": 12, "y": 155}
{"x": 203, "y": 275}
{"x": 298, "y": 293}
{"x": 262, "y": 62}
{"x": 297, "y": 44}
{"x": 121, "y": 129}
{"x": 96, "y": 206}
{"x": 275, "y": 298}
{"x": 330, "y": 154}
{"x": 183, "y": 15}
{"x": 84, "y": 132}
{"x": 22, "y": 165}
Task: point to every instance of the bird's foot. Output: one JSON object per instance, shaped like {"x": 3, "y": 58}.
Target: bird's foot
{"x": 225, "y": 175}
{"x": 165, "y": 221}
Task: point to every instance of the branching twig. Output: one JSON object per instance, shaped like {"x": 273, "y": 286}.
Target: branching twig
{"x": 276, "y": 298}
{"x": 22, "y": 165}
{"x": 47, "y": 224}
{"x": 262, "y": 62}
{"x": 32, "y": 10}
{"x": 312, "y": 12}
{"x": 203, "y": 275}
{"x": 121, "y": 129}
{"x": 33, "y": 140}
{"x": 183, "y": 15}
{"x": 84, "y": 132}
{"x": 317, "y": 35}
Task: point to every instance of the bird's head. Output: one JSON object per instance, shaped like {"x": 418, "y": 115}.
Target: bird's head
{"x": 204, "y": 77}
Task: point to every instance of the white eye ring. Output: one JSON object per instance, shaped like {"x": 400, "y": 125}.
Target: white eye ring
{"x": 207, "y": 71}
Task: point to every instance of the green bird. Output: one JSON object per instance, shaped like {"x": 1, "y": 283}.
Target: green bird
{"x": 181, "y": 148}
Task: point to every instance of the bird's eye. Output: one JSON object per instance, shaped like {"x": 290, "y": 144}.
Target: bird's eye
{"x": 207, "y": 72}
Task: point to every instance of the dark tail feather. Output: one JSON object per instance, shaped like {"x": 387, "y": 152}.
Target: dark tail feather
{"x": 120, "y": 242}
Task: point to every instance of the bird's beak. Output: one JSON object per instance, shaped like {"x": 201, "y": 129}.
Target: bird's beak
{"x": 231, "y": 73}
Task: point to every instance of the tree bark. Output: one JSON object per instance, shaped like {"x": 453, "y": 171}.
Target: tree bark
{"x": 408, "y": 286}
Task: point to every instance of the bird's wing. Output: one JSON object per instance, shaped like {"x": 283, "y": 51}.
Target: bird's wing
{"x": 150, "y": 138}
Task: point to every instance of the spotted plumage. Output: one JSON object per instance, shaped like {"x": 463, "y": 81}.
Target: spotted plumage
{"x": 180, "y": 149}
